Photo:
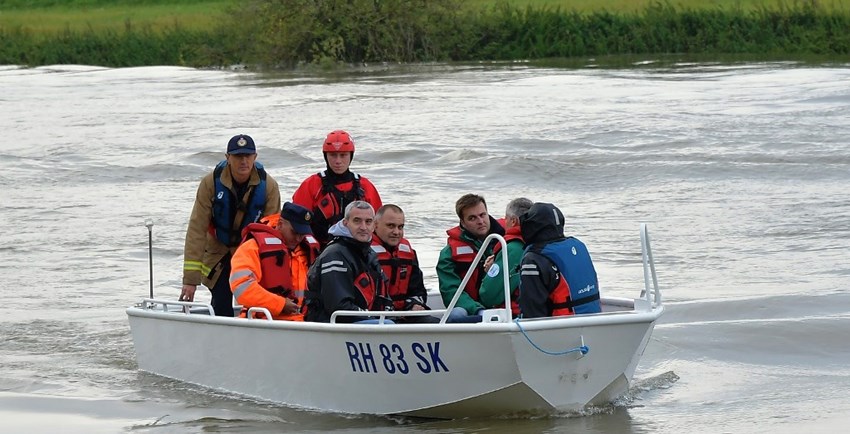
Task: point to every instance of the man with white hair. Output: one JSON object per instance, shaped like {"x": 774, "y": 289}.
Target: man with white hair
{"x": 492, "y": 291}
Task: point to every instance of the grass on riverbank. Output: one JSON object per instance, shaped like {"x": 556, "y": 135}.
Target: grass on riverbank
{"x": 45, "y": 17}
{"x": 634, "y": 6}
{"x": 285, "y": 33}
{"x": 56, "y": 16}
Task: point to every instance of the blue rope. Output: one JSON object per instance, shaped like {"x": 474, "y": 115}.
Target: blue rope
{"x": 584, "y": 349}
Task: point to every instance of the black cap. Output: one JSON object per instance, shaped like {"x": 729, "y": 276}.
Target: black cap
{"x": 241, "y": 144}
{"x": 298, "y": 216}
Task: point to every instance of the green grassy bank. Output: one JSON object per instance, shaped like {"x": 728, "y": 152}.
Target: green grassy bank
{"x": 287, "y": 33}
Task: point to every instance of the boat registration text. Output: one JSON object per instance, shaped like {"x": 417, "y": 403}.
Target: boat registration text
{"x": 394, "y": 359}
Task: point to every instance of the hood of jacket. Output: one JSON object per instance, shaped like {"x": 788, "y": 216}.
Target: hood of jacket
{"x": 341, "y": 234}
{"x": 339, "y": 230}
{"x": 541, "y": 223}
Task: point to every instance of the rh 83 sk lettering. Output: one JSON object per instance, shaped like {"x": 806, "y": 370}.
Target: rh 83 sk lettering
{"x": 395, "y": 359}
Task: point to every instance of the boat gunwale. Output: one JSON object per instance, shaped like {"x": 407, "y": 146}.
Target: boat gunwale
{"x": 535, "y": 324}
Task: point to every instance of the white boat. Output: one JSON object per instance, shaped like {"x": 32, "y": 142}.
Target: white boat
{"x": 497, "y": 367}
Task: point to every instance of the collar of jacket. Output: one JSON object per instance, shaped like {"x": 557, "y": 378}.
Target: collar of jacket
{"x": 352, "y": 244}
{"x": 495, "y": 228}
{"x": 227, "y": 178}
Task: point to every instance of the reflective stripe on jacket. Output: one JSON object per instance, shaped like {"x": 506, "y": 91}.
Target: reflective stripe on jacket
{"x": 202, "y": 251}
{"x": 265, "y": 272}
{"x": 346, "y": 276}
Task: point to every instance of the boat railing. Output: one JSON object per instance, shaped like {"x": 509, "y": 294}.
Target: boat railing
{"x": 650, "y": 293}
{"x": 650, "y": 296}
{"x": 382, "y": 315}
{"x": 254, "y": 311}
{"x": 491, "y": 315}
{"x": 185, "y": 306}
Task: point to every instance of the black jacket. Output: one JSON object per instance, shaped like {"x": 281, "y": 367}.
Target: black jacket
{"x": 330, "y": 280}
{"x": 543, "y": 223}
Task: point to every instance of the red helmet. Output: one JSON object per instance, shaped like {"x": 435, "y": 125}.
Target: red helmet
{"x": 338, "y": 141}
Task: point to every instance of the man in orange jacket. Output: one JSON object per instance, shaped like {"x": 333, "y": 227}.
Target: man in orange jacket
{"x": 269, "y": 269}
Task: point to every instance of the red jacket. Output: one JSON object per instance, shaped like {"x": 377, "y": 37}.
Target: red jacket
{"x": 328, "y": 195}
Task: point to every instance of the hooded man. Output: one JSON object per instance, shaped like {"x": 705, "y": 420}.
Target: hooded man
{"x": 557, "y": 277}
{"x": 347, "y": 275}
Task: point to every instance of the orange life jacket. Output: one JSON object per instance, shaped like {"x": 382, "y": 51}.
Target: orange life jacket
{"x": 275, "y": 260}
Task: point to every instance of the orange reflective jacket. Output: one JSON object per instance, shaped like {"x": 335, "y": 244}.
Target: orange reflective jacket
{"x": 264, "y": 271}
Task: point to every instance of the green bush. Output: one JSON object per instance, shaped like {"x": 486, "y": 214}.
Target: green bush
{"x": 290, "y": 32}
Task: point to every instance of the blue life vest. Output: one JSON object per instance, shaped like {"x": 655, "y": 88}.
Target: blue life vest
{"x": 573, "y": 261}
{"x": 225, "y": 205}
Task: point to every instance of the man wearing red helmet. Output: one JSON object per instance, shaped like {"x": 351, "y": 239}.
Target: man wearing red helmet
{"x": 328, "y": 192}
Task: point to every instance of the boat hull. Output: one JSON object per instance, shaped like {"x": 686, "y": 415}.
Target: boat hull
{"x": 427, "y": 370}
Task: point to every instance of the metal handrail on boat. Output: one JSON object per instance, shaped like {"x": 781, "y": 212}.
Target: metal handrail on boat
{"x": 382, "y": 315}
{"x": 253, "y": 311}
{"x": 651, "y": 294}
{"x": 507, "y": 317}
{"x": 152, "y": 303}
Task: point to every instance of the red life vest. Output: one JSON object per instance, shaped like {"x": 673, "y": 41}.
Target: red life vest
{"x": 398, "y": 266}
{"x": 511, "y": 233}
{"x": 275, "y": 261}
{"x": 332, "y": 201}
{"x": 368, "y": 289}
{"x": 463, "y": 253}
{"x": 560, "y": 299}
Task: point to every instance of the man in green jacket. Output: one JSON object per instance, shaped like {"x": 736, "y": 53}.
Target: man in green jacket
{"x": 455, "y": 260}
{"x": 492, "y": 291}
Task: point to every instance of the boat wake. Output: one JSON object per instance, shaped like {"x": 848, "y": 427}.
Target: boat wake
{"x": 658, "y": 382}
{"x": 627, "y": 400}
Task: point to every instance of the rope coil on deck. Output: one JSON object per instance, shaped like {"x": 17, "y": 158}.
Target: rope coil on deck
{"x": 583, "y": 349}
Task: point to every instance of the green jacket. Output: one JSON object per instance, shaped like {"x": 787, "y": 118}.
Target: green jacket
{"x": 449, "y": 271}
{"x": 492, "y": 291}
